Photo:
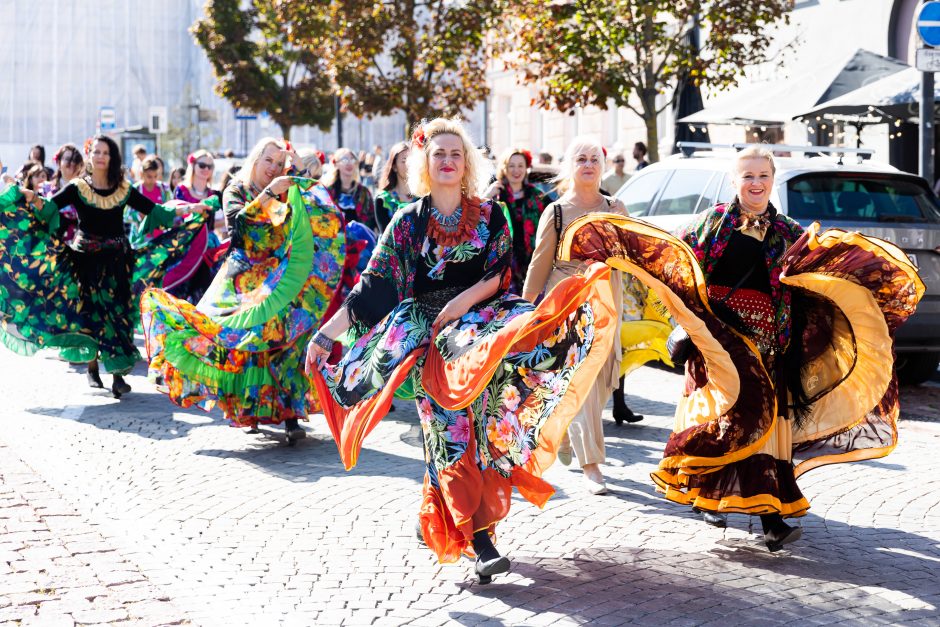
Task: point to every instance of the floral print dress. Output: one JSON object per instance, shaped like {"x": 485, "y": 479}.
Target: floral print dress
{"x": 495, "y": 389}
{"x": 73, "y": 294}
{"x": 242, "y": 346}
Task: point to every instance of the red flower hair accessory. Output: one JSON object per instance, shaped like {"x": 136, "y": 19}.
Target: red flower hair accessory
{"x": 528, "y": 158}
{"x": 320, "y": 156}
{"x": 87, "y": 146}
{"x": 191, "y": 159}
{"x": 287, "y": 145}
{"x": 55, "y": 159}
{"x": 417, "y": 138}
{"x": 604, "y": 150}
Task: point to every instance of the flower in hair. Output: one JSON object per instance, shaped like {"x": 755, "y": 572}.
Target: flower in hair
{"x": 321, "y": 156}
{"x": 191, "y": 159}
{"x": 604, "y": 150}
{"x": 417, "y": 138}
{"x": 87, "y": 146}
{"x": 55, "y": 159}
{"x": 528, "y": 158}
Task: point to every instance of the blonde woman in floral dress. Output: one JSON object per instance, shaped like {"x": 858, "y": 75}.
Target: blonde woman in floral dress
{"x": 496, "y": 379}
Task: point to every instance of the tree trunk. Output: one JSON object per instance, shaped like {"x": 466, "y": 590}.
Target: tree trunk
{"x": 285, "y": 129}
{"x": 652, "y": 137}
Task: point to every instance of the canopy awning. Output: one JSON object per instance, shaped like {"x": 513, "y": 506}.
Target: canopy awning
{"x": 897, "y": 96}
{"x": 778, "y": 102}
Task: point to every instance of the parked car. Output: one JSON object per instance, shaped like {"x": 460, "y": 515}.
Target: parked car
{"x": 874, "y": 199}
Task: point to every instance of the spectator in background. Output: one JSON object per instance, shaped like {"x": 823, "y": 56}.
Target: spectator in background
{"x": 614, "y": 180}
{"x": 545, "y": 158}
{"x": 639, "y": 155}
{"x": 38, "y": 153}
{"x": 140, "y": 153}
{"x": 313, "y": 161}
{"x": 33, "y": 175}
{"x": 176, "y": 177}
{"x": 378, "y": 160}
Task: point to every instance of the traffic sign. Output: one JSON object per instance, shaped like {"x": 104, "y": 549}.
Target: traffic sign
{"x": 928, "y": 23}
{"x": 107, "y": 119}
{"x": 927, "y": 60}
{"x": 245, "y": 114}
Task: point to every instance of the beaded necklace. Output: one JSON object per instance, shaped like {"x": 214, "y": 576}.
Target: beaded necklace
{"x": 448, "y": 223}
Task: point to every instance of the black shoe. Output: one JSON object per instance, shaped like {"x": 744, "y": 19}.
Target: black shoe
{"x": 419, "y": 531}
{"x": 294, "y": 431}
{"x": 94, "y": 377}
{"x": 119, "y": 387}
{"x": 776, "y": 538}
{"x": 715, "y": 519}
{"x": 622, "y": 413}
{"x": 486, "y": 569}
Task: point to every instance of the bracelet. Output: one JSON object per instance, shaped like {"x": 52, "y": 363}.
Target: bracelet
{"x": 322, "y": 341}
{"x": 267, "y": 190}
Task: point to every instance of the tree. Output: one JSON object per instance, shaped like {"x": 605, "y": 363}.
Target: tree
{"x": 258, "y": 67}
{"x": 629, "y": 52}
{"x": 422, "y": 57}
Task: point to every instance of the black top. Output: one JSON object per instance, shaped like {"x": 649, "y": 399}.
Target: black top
{"x": 457, "y": 274}
{"x": 742, "y": 253}
{"x": 102, "y": 222}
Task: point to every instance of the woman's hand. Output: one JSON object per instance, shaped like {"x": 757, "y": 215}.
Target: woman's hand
{"x": 457, "y": 307}
{"x": 280, "y": 185}
{"x": 199, "y": 208}
{"x": 493, "y": 190}
{"x": 28, "y": 195}
{"x": 315, "y": 353}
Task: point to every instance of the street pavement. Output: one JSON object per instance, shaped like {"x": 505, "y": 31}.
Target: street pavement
{"x": 135, "y": 512}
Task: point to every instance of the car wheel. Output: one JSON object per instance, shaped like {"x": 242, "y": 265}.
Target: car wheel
{"x": 917, "y": 368}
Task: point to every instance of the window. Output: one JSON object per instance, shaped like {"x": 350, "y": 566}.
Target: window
{"x": 859, "y": 198}
{"x": 683, "y": 192}
{"x": 638, "y": 193}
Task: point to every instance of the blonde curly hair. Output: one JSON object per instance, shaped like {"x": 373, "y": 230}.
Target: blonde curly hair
{"x": 477, "y": 168}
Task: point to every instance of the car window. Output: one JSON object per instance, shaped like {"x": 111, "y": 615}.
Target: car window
{"x": 859, "y": 198}
{"x": 638, "y": 193}
{"x": 683, "y": 192}
{"x": 725, "y": 190}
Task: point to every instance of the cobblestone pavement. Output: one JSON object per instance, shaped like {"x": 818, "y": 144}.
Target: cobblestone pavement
{"x": 137, "y": 512}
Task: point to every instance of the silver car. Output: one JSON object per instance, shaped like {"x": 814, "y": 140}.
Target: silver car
{"x": 874, "y": 199}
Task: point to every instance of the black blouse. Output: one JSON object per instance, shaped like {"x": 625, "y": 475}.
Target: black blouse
{"x": 95, "y": 220}
{"x": 743, "y": 253}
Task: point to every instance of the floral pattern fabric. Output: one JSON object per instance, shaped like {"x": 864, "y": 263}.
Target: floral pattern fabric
{"x": 515, "y": 363}
{"x": 71, "y": 295}
{"x": 242, "y": 346}
{"x": 524, "y": 211}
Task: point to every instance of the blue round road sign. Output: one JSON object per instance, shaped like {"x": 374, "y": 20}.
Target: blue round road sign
{"x": 928, "y": 23}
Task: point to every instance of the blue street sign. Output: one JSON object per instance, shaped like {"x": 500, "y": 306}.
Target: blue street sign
{"x": 244, "y": 114}
{"x": 107, "y": 119}
{"x": 928, "y": 23}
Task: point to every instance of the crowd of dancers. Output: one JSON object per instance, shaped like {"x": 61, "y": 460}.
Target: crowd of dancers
{"x": 507, "y": 314}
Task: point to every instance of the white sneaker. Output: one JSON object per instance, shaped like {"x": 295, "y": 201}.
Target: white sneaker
{"x": 595, "y": 485}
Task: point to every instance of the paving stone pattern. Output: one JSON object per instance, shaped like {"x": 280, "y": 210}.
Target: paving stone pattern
{"x": 138, "y": 512}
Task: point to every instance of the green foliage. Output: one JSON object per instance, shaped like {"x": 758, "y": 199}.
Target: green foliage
{"x": 260, "y": 68}
{"x": 629, "y": 52}
{"x": 423, "y": 57}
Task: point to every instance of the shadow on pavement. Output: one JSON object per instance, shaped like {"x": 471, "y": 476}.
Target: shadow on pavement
{"x": 624, "y": 585}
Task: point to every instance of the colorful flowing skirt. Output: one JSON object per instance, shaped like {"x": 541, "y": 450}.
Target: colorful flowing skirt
{"x": 736, "y": 446}
{"x": 644, "y": 328}
{"x": 74, "y": 297}
{"x": 242, "y": 347}
{"x": 495, "y": 392}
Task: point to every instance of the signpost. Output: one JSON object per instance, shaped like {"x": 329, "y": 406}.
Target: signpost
{"x": 928, "y": 27}
{"x": 107, "y": 118}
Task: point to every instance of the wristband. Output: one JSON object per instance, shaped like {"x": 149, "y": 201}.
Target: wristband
{"x": 267, "y": 190}
{"x": 322, "y": 341}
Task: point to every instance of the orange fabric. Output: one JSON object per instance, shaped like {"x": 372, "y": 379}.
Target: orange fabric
{"x": 455, "y": 384}
{"x": 350, "y": 427}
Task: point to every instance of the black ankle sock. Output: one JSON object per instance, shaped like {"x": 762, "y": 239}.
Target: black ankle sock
{"x": 483, "y": 546}
{"x": 290, "y": 423}
{"x": 772, "y": 522}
